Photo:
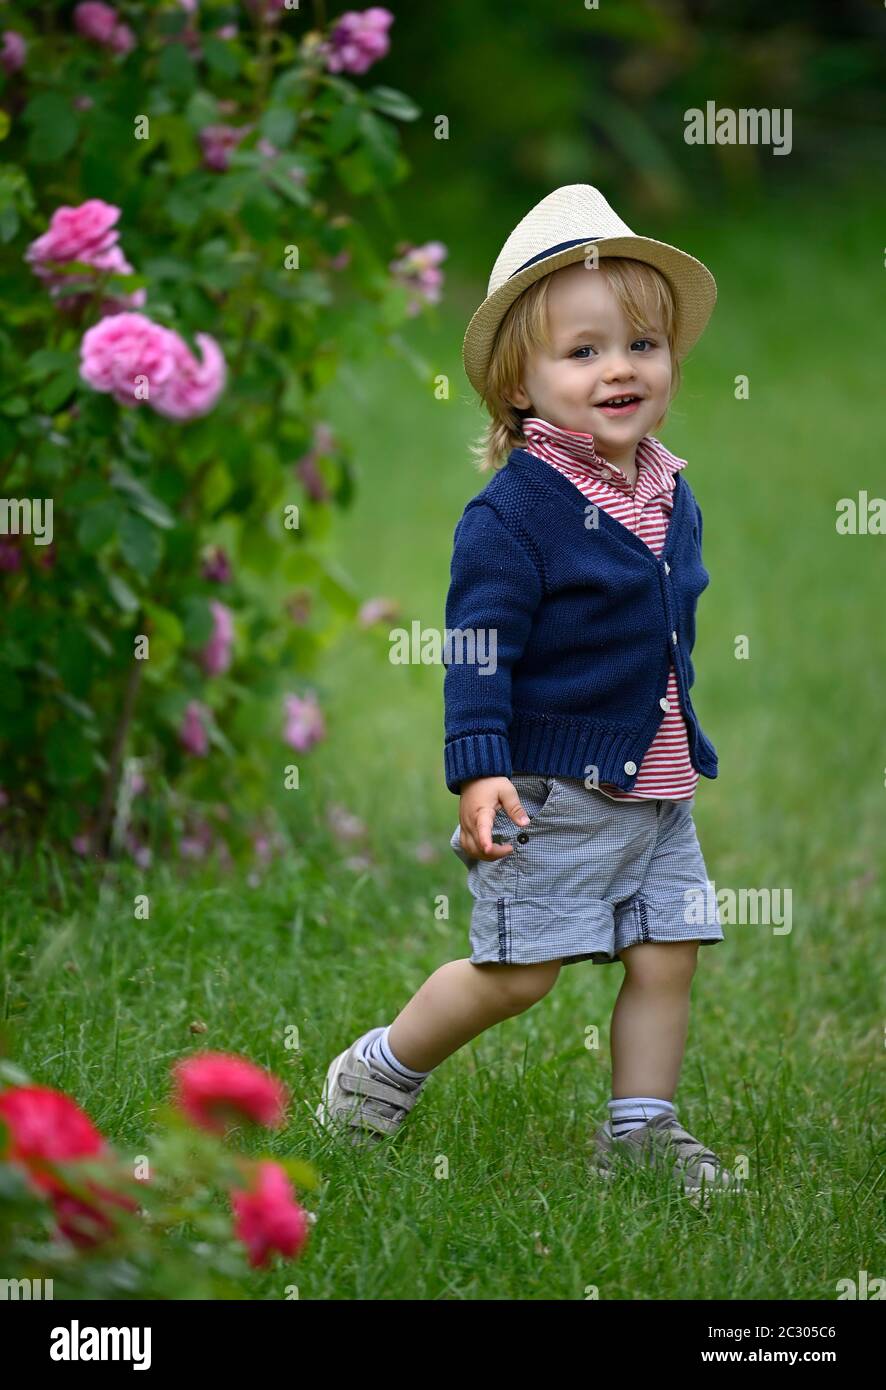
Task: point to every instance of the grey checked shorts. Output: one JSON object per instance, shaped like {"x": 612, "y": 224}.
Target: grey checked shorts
{"x": 588, "y": 877}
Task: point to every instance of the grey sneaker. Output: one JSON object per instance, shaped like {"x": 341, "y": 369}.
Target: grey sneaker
{"x": 663, "y": 1141}
{"x": 366, "y": 1104}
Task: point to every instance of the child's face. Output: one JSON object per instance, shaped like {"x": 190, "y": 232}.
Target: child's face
{"x": 595, "y": 355}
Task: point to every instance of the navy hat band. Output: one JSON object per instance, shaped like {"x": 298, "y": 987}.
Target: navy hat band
{"x": 552, "y": 251}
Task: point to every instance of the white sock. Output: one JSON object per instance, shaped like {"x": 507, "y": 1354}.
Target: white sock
{"x": 630, "y": 1112}
{"x": 377, "y": 1053}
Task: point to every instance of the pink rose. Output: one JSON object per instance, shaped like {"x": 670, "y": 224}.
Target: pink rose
{"x": 85, "y": 233}
{"x": 216, "y": 565}
{"x": 216, "y": 655}
{"x": 359, "y": 39}
{"x": 13, "y": 53}
{"x": 192, "y": 388}
{"x": 418, "y": 269}
{"x": 80, "y": 233}
{"x": 217, "y": 142}
{"x": 192, "y": 735}
{"x": 305, "y": 725}
{"x": 127, "y": 353}
{"x": 100, "y": 24}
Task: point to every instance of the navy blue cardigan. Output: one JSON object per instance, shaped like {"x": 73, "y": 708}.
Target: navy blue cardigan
{"x": 584, "y": 618}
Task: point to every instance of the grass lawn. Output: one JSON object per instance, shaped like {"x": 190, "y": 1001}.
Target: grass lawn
{"x": 484, "y": 1193}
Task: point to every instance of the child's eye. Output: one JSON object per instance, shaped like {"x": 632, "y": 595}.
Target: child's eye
{"x": 650, "y": 341}
{"x": 586, "y": 348}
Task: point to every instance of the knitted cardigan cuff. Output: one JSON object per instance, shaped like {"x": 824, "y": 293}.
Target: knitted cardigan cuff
{"x": 476, "y": 755}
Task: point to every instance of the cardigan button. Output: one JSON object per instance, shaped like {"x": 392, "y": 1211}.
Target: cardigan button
{"x": 667, "y": 568}
{"x": 630, "y": 768}
{"x": 665, "y": 703}
{"x": 522, "y": 837}
{"x": 674, "y": 638}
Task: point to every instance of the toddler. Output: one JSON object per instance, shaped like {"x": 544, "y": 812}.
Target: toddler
{"x": 573, "y": 745}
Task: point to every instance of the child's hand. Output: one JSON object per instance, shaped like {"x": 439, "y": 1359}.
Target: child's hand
{"x": 479, "y": 801}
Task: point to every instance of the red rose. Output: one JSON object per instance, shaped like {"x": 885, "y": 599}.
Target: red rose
{"x": 46, "y": 1126}
{"x": 267, "y": 1217}
{"x": 215, "y": 1089}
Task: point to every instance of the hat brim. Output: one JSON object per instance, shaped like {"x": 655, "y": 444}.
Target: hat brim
{"x": 693, "y": 285}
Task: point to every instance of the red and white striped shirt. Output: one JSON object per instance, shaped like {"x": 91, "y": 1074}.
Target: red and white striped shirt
{"x": 644, "y": 508}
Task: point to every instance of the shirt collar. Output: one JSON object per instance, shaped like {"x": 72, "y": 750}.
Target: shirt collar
{"x": 575, "y": 450}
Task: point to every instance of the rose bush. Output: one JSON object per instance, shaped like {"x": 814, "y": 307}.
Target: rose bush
{"x": 74, "y": 1209}
{"x": 184, "y": 271}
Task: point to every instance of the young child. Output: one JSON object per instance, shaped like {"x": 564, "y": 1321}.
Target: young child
{"x": 573, "y": 743}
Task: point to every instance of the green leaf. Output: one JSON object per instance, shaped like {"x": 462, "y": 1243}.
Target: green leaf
{"x": 98, "y": 524}
{"x": 67, "y": 754}
{"x": 175, "y": 69}
{"x": 57, "y": 391}
{"x": 166, "y": 638}
{"x": 277, "y": 125}
{"x": 140, "y": 545}
{"x": 121, "y": 593}
{"x": 198, "y": 624}
{"x": 201, "y": 110}
{"x": 355, "y": 172}
{"x": 141, "y": 500}
{"x": 381, "y": 143}
{"x": 393, "y": 103}
{"x": 54, "y": 127}
{"x": 46, "y": 362}
{"x": 342, "y": 130}
{"x": 284, "y": 183}
{"x": 220, "y": 57}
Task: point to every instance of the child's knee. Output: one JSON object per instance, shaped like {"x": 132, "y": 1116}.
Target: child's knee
{"x": 661, "y": 963}
{"x": 521, "y": 986}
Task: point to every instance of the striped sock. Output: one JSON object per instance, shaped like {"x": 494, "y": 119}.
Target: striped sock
{"x": 377, "y": 1053}
{"x": 630, "y": 1112}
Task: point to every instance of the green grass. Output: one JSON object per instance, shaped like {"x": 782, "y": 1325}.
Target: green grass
{"x": 784, "y": 1060}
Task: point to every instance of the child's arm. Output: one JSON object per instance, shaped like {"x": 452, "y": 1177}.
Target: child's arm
{"x": 494, "y": 591}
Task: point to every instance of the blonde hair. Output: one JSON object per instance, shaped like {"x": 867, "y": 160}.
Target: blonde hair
{"x": 646, "y": 299}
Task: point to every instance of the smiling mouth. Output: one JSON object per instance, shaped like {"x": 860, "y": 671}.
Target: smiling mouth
{"x": 626, "y": 402}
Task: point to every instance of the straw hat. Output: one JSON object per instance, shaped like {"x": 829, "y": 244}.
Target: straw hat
{"x": 561, "y": 230}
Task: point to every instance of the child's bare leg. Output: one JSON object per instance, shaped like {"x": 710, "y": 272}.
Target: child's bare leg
{"x": 647, "y": 1035}
{"x": 461, "y": 1000}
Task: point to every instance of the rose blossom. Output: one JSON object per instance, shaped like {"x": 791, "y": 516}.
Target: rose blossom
{"x": 217, "y": 142}
{"x": 100, "y": 24}
{"x": 80, "y": 233}
{"x": 267, "y": 1217}
{"x": 358, "y": 40}
{"x": 216, "y": 565}
{"x": 304, "y": 722}
{"x": 192, "y": 387}
{"x": 192, "y": 735}
{"x": 13, "y": 53}
{"x": 215, "y": 1088}
{"x": 216, "y": 655}
{"x": 83, "y": 233}
{"x": 46, "y": 1126}
{"x": 124, "y": 346}
{"x": 418, "y": 269}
